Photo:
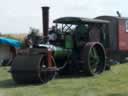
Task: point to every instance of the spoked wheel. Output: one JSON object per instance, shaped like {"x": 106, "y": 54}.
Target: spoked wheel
{"x": 93, "y": 57}
{"x": 46, "y": 73}
{"x": 31, "y": 69}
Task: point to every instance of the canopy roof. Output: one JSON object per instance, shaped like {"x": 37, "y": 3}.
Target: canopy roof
{"x": 112, "y": 17}
{"x": 78, "y": 20}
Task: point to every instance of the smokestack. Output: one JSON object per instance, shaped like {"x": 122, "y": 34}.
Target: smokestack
{"x": 45, "y": 20}
{"x": 118, "y": 13}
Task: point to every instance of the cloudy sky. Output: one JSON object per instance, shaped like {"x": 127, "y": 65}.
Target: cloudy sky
{"x": 16, "y": 16}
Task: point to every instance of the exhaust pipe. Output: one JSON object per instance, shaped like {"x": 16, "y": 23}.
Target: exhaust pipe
{"x": 45, "y": 20}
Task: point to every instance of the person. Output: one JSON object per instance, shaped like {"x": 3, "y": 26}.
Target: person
{"x": 52, "y": 36}
{"x": 32, "y": 39}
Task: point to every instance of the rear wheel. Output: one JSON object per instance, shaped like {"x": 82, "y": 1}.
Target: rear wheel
{"x": 93, "y": 57}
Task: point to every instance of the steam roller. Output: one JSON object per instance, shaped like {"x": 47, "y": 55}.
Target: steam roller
{"x": 71, "y": 53}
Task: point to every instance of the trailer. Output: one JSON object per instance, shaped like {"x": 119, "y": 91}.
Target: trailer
{"x": 8, "y": 48}
{"x": 117, "y": 43}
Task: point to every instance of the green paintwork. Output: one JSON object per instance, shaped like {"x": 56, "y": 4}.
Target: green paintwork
{"x": 61, "y": 52}
{"x": 68, "y": 41}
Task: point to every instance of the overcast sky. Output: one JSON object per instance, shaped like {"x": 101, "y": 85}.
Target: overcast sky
{"x": 16, "y": 16}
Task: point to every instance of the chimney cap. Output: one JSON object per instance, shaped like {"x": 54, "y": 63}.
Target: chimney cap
{"x": 45, "y": 7}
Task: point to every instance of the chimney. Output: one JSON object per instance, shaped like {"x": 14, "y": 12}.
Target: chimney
{"x": 118, "y": 14}
{"x": 45, "y": 20}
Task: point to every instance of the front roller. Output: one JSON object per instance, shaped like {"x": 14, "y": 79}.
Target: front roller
{"x": 31, "y": 68}
{"x": 93, "y": 57}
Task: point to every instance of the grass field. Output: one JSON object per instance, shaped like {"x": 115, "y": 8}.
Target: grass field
{"x": 110, "y": 83}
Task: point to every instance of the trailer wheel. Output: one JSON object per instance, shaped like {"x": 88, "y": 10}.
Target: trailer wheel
{"x": 93, "y": 57}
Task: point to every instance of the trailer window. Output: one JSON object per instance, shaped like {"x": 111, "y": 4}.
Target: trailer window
{"x": 126, "y": 24}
